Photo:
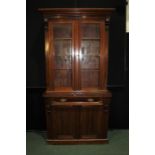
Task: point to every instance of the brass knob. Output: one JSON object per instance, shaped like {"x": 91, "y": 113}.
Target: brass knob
{"x": 73, "y": 94}
{"x": 90, "y": 99}
{"x": 63, "y": 100}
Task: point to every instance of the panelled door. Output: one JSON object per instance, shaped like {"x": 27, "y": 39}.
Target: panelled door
{"x": 77, "y": 120}
{"x": 93, "y": 122}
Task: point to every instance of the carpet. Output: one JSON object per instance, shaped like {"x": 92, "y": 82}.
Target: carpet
{"x": 118, "y": 145}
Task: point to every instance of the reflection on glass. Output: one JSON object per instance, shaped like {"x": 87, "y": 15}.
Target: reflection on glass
{"x": 90, "y": 47}
{"x": 90, "y": 62}
{"x": 62, "y": 47}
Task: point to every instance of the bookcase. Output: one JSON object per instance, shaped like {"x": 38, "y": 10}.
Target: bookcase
{"x": 76, "y": 96}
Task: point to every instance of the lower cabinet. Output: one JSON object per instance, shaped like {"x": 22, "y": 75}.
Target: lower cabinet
{"x": 77, "y": 121}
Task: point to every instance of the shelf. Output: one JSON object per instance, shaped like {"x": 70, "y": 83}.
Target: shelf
{"x": 90, "y": 38}
{"x": 62, "y": 38}
{"x": 83, "y": 55}
{"x": 81, "y": 68}
{"x": 90, "y": 69}
{"x": 63, "y": 55}
{"x": 86, "y": 55}
{"x": 63, "y": 68}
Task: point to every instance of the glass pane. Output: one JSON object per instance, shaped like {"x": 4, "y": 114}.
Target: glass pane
{"x": 62, "y": 34}
{"x": 90, "y": 55}
{"x": 62, "y": 78}
{"x": 90, "y": 31}
{"x": 90, "y": 62}
{"x": 62, "y": 47}
{"x": 90, "y": 78}
{"x": 63, "y": 62}
{"x": 90, "y": 47}
{"x": 62, "y": 31}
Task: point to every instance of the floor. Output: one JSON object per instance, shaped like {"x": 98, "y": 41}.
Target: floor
{"x": 118, "y": 145}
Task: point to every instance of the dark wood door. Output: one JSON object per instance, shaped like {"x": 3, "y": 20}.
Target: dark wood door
{"x": 74, "y": 120}
{"x": 93, "y": 122}
{"x": 64, "y": 122}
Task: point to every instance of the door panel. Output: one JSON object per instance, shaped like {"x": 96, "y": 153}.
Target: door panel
{"x": 64, "y": 121}
{"x": 90, "y": 55}
{"x": 77, "y": 56}
{"x": 62, "y": 51}
{"x": 85, "y": 120}
{"x": 93, "y": 122}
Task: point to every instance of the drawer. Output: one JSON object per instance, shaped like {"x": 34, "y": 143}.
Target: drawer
{"x": 78, "y": 94}
{"x": 78, "y": 99}
{"x": 82, "y": 104}
{"x": 77, "y": 102}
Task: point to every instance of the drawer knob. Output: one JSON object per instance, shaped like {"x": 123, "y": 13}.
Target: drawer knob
{"x": 90, "y": 99}
{"x": 63, "y": 100}
{"x": 73, "y": 94}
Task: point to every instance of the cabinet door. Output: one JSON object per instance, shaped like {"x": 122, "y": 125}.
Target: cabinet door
{"x": 77, "y": 120}
{"x": 93, "y": 122}
{"x": 61, "y": 55}
{"x": 92, "y": 55}
{"x": 64, "y": 120}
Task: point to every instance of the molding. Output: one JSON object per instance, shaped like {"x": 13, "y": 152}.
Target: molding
{"x": 60, "y": 13}
{"x": 45, "y": 23}
{"x": 78, "y": 141}
{"x": 107, "y": 21}
{"x": 109, "y": 86}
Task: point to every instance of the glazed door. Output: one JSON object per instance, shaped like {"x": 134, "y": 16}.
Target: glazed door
{"x": 77, "y": 57}
{"x": 92, "y": 72}
{"x": 61, "y": 55}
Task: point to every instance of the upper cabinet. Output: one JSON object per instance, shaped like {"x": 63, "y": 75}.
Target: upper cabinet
{"x": 76, "y": 46}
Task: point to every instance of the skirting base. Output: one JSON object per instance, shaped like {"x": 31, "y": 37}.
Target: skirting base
{"x": 78, "y": 141}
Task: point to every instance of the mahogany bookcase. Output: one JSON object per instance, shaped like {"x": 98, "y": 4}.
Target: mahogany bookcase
{"x": 76, "y": 96}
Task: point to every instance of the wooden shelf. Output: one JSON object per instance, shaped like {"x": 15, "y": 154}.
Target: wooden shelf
{"x": 90, "y": 69}
{"x": 93, "y": 55}
{"x": 63, "y": 68}
{"x": 63, "y": 55}
{"x": 62, "y": 38}
{"x": 90, "y": 38}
